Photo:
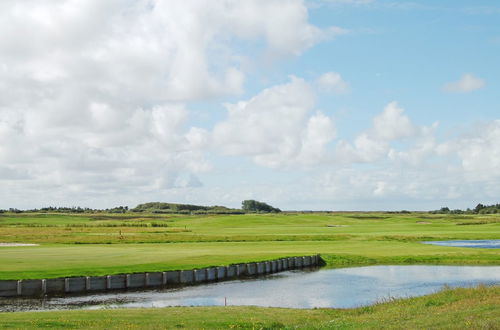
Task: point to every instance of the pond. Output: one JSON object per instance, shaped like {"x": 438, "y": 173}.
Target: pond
{"x": 484, "y": 244}
{"x": 339, "y": 288}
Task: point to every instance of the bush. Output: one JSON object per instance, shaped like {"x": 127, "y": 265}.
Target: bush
{"x": 256, "y": 206}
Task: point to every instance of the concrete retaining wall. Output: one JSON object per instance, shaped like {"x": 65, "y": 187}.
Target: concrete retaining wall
{"x": 187, "y": 276}
{"x": 174, "y": 277}
{"x": 231, "y": 271}
{"x": 221, "y": 272}
{"x": 96, "y": 283}
{"x": 54, "y": 286}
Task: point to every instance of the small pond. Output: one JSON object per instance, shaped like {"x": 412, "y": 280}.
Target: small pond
{"x": 483, "y": 244}
{"x": 339, "y": 288}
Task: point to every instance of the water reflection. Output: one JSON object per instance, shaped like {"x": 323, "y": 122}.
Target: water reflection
{"x": 340, "y": 288}
{"x": 484, "y": 244}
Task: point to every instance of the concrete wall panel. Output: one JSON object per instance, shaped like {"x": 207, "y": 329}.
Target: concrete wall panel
{"x": 75, "y": 284}
{"x": 261, "y": 268}
{"x": 136, "y": 281}
{"x": 173, "y": 277}
{"x": 221, "y": 273}
{"x": 97, "y": 283}
{"x": 274, "y": 266}
{"x": 55, "y": 285}
{"x": 291, "y": 263}
{"x": 187, "y": 276}
{"x": 200, "y": 275}
{"x": 241, "y": 270}
{"x": 155, "y": 279}
{"x": 117, "y": 282}
{"x": 8, "y": 288}
{"x": 252, "y": 269}
{"x": 31, "y": 287}
{"x": 211, "y": 274}
{"x": 280, "y": 265}
{"x": 231, "y": 271}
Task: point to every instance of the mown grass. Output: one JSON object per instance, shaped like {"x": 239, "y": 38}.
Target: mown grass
{"x": 463, "y": 308}
{"x": 49, "y": 261}
{"x": 102, "y": 244}
{"x": 98, "y": 229}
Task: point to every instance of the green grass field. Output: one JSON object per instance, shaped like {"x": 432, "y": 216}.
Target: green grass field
{"x": 71, "y": 245}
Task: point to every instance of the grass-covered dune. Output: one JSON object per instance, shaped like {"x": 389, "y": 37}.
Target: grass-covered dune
{"x": 471, "y": 308}
{"x": 72, "y": 245}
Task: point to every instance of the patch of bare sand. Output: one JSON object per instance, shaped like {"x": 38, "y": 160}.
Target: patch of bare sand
{"x": 17, "y": 244}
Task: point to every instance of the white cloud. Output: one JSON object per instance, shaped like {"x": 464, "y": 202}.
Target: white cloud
{"x": 467, "y": 83}
{"x": 275, "y": 127}
{"x": 392, "y": 124}
{"x": 478, "y": 152}
{"x": 374, "y": 144}
{"x": 333, "y": 81}
{"x": 94, "y": 93}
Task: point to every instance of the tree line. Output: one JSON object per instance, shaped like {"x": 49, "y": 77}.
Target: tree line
{"x": 479, "y": 209}
{"x": 248, "y": 206}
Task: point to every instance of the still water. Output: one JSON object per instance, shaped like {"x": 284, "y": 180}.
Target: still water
{"x": 484, "y": 244}
{"x": 339, "y": 288}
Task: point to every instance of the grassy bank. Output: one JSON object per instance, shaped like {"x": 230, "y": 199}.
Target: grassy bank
{"x": 72, "y": 245}
{"x": 73, "y": 260}
{"x": 474, "y": 308}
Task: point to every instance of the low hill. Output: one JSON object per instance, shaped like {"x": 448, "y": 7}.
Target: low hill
{"x": 159, "y": 207}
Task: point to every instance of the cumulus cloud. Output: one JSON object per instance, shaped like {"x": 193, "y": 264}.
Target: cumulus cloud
{"x": 177, "y": 50}
{"x": 95, "y": 93}
{"x": 333, "y": 82}
{"x": 375, "y": 143}
{"x": 467, "y": 83}
{"x": 477, "y": 150}
{"x": 276, "y": 127}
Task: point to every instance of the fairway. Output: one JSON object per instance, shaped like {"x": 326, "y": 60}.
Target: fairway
{"x": 72, "y": 245}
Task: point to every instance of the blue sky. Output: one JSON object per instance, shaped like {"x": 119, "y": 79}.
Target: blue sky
{"x": 322, "y": 105}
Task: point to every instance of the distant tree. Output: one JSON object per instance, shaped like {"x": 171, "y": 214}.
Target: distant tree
{"x": 444, "y": 210}
{"x": 478, "y": 208}
{"x": 251, "y": 205}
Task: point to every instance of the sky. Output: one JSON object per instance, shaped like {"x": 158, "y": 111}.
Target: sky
{"x": 303, "y": 104}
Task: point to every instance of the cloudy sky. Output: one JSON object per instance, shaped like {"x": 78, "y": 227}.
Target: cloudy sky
{"x": 319, "y": 105}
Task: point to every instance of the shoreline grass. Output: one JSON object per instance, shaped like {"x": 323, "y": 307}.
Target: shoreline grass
{"x": 458, "y": 308}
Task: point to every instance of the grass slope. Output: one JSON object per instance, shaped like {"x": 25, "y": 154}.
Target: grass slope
{"x": 474, "y": 308}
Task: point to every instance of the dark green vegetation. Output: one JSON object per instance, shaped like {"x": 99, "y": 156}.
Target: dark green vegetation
{"x": 157, "y": 207}
{"x": 473, "y": 308}
{"x": 479, "y": 209}
{"x": 101, "y": 244}
{"x": 248, "y": 206}
{"x": 251, "y": 205}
